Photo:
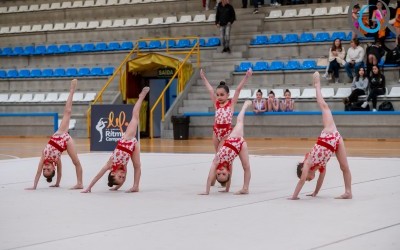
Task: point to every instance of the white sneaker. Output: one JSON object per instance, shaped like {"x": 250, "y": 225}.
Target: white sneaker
{"x": 399, "y": 80}
{"x": 364, "y": 105}
{"x": 326, "y": 75}
{"x": 373, "y": 110}
{"x": 336, "y": 81}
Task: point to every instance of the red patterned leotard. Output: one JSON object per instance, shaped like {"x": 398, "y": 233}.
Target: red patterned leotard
{"x": 54, "y": 148}
{"x": 322, "y": 151}
{"x": 122, "y": 153}
{"x": 228, "y": 152}
{"x": 223, "y": 120}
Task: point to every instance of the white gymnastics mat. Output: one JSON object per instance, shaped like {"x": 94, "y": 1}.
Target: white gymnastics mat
{"x": 168, "y": 213}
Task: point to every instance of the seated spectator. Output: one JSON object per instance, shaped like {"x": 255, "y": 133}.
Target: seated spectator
{"x": 336, "y": 59}
{"x": 354, "y": 58}
{"x": 272, "y": 102}
{"x": 259, "y": 104}
{"x": 377, "y": 86}
{"x": 287, "y": 104}
{"x": 374, "y": 55}
{"x": 358, "y": 87}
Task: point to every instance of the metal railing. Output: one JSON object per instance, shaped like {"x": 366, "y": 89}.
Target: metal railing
{"x": 195, "y": 50}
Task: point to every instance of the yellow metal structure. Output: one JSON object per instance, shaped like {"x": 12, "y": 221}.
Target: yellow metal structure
{"x": 181, "y": 72}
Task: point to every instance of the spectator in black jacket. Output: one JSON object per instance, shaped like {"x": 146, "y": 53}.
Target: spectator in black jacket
{"x": 224, "y": 19}
{"x": 377, "y": 86}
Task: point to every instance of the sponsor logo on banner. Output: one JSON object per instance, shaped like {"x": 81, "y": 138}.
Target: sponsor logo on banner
{"x": 108, "y": 123}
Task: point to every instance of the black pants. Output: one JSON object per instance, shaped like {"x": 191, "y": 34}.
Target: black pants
{"x": 373, "y": 95}
{"x": 353, "y": 97}
{"x": 334, "y": 66}
{"x": 244, "y": 3}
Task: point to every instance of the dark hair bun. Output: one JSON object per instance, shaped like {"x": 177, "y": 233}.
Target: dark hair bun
{"x": 49, "y": 179}
{"x": 222, "y": 83}
{"x": 110, "y": 184}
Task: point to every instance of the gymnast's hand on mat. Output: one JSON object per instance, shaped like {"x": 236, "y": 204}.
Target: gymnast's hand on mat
{"x": 205, "y": 193}
{"x": 31, "y": 188}
{"x": 312, "y": 195}
{"x": 293, "y": 198}
{"x": 55, "y": 185}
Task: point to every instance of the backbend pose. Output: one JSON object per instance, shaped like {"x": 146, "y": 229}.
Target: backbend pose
{"x": 224, "y": 108}
{"x": 127, "y": 148}
{"x": 59, "y": 142}
{"x": 328, "y": 143}
{"x": 233, "y": 146}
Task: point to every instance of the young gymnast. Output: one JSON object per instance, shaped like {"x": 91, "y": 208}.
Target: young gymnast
{"x": 224, "y": 107}
{"x": 233, "y": 146}
{"x": 59, "y": 142}
{"x": 127, "y": 147}
{"x": 328, "y": 143}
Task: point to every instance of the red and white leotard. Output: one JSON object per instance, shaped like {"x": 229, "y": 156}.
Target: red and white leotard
{"x": 229, "y": 151}
{"x": 122, "y": 153}
{"x": 322, "y": 151}
{"x": 54, "y": 148}
{"x": 223, "y": 120}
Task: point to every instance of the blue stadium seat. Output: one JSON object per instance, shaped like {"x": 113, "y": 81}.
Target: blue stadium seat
{"x": 59, "y": 72}
{"x": 128, "y": 45}
{"x": 76, "y": 48}
{"x": 40, "y": 50}
{"x": 322, "y": 37}
{"x": 12, "y": 73}
{"x": 260, "y": 66}
{"x": 71, "y": 72}
{"x": 275, "y": 39}
{"x": 338, "y": 35}
{"x": 213, "y": 41}
{"x": 101, "y": 47}
{"x": 171, "y": 44}
{"x": 306, "y": 37}
{"x": 3, "y": 74}
{"x": 24, "y": 73}
{"x": 142, "y": 45}
{"x": 29, "y": 50}
{"x": 259, "y": 40}
{"x": 309, "y": 64}
{"x": 36, "y": 73}
{"x": 243, "y": 66}
{"x": 47, "y": 73}
{"x": 18, "y": 51}
{"x": 276, "y": 65}
{"x": 292, "y": 65}
{"x": 64, "y": 48}
{"x": 96, "y": 71}
{"x": 183, "y": 43}
{"x": 52, "y": 49}
{"x": 291, "y": 38}
{"x": 108, "y": 71}
{"x": 7, "y": 51}
{"x": 88, "y": 47}
{"x": 202, "y": 42}
{"x": 114, "y": 46}
{"x": 155, "y": 44}
{"x": 349, "y": 36}
{"x": 1, "y": 51}
{"x": 84, "y": 72}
